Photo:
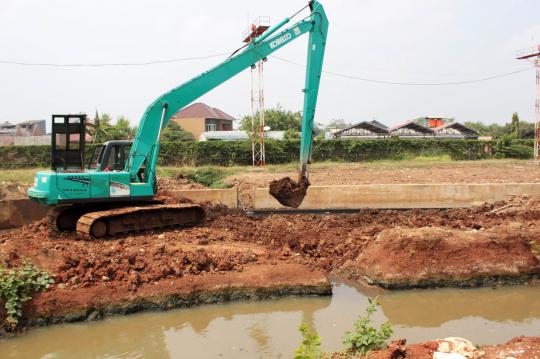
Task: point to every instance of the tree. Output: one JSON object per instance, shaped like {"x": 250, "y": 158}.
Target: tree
{"x": 277, "y": 119}
{"x": 122, "y": 130}
{"x": 338, "y": 123}
{"x": 100, "y": 128}
{"x": 174, "y": 132}
{"x": 515, "y": 124}
{"x": 103, "y": 130}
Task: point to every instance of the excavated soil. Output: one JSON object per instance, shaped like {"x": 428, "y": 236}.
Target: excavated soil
{"x": 235, "y": 256}
{"x": 520, "y": 347}
{"x": 289, "y": 192}
{"x": 12, "y": 190}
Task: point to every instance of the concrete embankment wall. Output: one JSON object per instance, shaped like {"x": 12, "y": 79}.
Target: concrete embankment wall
{"x": 400, "y": 196}
{"x": 16, "y": 212}
{"x": 227, "y": 197}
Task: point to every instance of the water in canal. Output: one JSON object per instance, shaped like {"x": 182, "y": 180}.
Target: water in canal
{"x": 268, "y": 329}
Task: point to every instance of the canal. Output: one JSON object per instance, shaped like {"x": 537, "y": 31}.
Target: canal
{"x": 268, "y": 329}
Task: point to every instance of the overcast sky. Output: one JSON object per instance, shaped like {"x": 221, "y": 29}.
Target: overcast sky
{"x": 398, "y": 40}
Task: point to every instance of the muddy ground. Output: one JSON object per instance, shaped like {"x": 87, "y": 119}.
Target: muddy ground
{"x": 490, "y": 244}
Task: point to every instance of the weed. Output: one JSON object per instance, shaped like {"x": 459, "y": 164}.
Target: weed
{"x": 366, "y": 338}
{"x": 17, "y": 286}
{"x": 311, "y": 343}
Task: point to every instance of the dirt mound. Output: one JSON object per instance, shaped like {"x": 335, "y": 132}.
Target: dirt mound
{"x": 289, "y": 192}
{"x": 520, "y": 347}
{"x": 12, "y": 190}
{"x": 436, "y": 256}
{"x": 178, "y": 182}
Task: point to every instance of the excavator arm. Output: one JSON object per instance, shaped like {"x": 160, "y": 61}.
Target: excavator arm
{"x": 145, "y": 149}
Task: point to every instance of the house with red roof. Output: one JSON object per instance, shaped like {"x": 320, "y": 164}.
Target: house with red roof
{"x": 199, "y": 117}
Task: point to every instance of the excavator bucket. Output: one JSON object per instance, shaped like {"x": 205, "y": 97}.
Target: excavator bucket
{"x": 288, "y": 192}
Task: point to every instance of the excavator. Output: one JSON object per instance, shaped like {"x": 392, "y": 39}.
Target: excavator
{"x": 116, "y": 193}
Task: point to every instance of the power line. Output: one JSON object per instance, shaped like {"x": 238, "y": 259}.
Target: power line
{"x": 145, "y": 63}
{"x": 464, "y": 82}
{"x": 337, "y": 74}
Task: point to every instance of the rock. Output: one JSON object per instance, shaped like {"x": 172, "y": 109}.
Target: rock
{"x": 203, "y": 241}
{"x": 93, "y": 316}
{"x": 455, "y": 345}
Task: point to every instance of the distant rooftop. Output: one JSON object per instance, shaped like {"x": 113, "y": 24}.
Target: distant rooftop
{"x": 201, "y": 110}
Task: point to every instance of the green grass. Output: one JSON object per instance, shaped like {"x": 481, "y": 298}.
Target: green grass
{"x": 213, "y": 176}
{"x": 22, "y": 176}
{"x": 209, "y": 176}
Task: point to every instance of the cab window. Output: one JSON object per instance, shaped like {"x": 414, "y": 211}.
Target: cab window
{"x": 116, "y": 161}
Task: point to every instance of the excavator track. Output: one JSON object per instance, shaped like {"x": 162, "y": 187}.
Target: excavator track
{"x": 111, "y": 222}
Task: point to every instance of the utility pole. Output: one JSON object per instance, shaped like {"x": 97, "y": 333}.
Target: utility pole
{"x": 533, "y": 55}
{"x": 260, "y": 25}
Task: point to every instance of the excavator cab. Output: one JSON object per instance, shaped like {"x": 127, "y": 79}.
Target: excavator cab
{"x": 110, "y": 156}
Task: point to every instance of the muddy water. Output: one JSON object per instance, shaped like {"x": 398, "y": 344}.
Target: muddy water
{"x": 268, "y": 329}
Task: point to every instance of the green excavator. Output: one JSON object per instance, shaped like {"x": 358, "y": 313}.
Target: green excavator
{"x": 116, "y": 192}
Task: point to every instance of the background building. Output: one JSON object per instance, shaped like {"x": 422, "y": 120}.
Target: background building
{"x": 24, "y": 133}
{"x": 199, "y": 117}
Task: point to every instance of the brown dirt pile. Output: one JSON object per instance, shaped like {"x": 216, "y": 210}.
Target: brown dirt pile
{"x": 11, "y": 190}
{"x": 475, "y": 242}
{"x": 444, "y": 255}
{"x": 520, "y": 347}
{"x": 288, "y": 192}
{"x": 400, "y": 246}
{"x": 178, "y": 182}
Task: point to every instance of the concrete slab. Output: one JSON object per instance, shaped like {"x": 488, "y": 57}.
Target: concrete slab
{"x": 228, "y": 197}
{"x": 17, "y": 212}
{"x": 399, "y": 196}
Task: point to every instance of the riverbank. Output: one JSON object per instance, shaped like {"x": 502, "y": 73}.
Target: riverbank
{"x": 233, "y": 256}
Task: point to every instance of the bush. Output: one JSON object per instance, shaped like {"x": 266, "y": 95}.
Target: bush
{"x": 17, "y": 286}
{"x": 208, "y": 176}
{"x": 509, "y": 148}
{"x": 366, "y": 338}
{"x": 311, "y": 343}
{"x": 229, "y": 153}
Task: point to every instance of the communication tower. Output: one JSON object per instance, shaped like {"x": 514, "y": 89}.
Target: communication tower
{"x": 258, "y": 26}
{"x": 533, "y": 55}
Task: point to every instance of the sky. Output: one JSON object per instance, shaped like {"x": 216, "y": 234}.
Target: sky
{"x": 430, "y": 41}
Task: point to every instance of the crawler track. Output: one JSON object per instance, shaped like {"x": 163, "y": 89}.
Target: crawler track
{"x": 111, "y": 222}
